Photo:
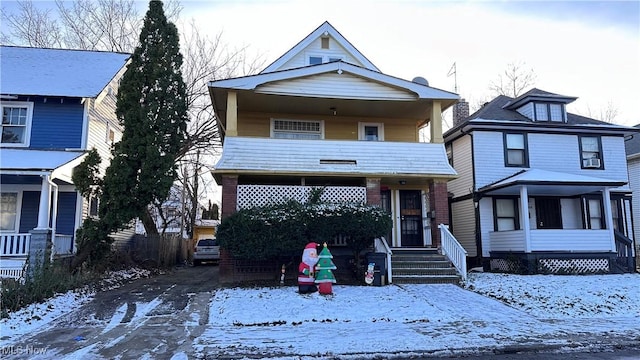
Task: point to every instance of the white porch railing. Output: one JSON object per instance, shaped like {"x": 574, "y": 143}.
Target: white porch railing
{"x": 452, "y": 249}
{"x": 63, "y": 244}
{"x": 382, "y": 246}
{"x": 14, "y": 245}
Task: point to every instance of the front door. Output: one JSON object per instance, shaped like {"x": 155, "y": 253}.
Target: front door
{"x": 548, "y": 213}
{"x": 411, "y": 232}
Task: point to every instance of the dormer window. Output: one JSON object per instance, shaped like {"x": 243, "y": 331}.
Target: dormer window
{"x": 549, "y": 112}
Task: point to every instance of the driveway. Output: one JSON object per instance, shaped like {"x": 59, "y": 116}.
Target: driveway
{"x": 156, "y": 316}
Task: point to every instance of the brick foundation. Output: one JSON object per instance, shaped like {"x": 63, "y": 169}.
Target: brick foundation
{"x": 438, "y": 196}
{"x": 373, "y": 192}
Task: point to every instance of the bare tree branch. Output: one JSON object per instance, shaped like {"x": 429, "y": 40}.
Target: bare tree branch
{"x": 514, "y": 81}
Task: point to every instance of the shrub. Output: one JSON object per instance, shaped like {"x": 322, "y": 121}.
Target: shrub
{"x": 268, "y": 232}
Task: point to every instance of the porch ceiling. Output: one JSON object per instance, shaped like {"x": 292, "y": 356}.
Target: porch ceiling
{"x": 549, "y": 183}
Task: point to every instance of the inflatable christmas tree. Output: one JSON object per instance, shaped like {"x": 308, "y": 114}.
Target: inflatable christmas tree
{"x": 324, "y": 275}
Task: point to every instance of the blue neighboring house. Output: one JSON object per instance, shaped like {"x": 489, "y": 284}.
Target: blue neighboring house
{"x": 56, "y": 105}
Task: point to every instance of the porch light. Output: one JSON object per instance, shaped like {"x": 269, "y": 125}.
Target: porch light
{"x": 402, "y": 182}
{"x": 333, "y": 110}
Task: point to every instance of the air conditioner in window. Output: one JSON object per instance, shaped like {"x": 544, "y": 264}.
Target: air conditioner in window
{"x": 591, "y": 163}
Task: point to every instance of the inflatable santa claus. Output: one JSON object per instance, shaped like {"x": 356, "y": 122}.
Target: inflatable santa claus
{"x": 306, "y": 270}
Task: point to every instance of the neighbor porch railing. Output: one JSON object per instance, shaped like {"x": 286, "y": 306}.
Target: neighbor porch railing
{"x": 382, "y": 246}
{"x": 624, "y": 250}
{"x": 452, "y": 249}
{"x": 14, "y": 245}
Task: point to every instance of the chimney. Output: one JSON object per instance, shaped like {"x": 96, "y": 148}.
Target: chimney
{"x": 460, "y": 111}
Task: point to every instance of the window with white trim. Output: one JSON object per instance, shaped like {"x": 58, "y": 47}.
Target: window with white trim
{"x": 8, "y": 211}
{"x": 297, "y": 129}
{"x": 16, "y": 123}
{"x": 505, "y": 214}
{"x": 317, "y": 59}
{"x": 371, "y": 131}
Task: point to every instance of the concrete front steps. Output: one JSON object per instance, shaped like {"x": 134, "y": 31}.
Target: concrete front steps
{"x": 422, "y": 266}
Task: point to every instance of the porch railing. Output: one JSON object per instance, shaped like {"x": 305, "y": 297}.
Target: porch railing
{"x": 63, "y": 244}
{"x": 453, "y": 250}
{"x": 15, "y": 245}
{"x": 382, "y": 246}
{"x": 624, "y": 250}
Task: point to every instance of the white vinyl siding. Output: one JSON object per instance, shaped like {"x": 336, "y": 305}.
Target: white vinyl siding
{"x": 463, "y": 164}
{"x": 572, "y": 240}
{"x": 543, "y": 154}
{"x": 464, "y": 225}
{"x": 634, "y": 183}
{"x": 334, "y": 85}
{"x": 315, "y": 49}
{"x": 526, "y": 110}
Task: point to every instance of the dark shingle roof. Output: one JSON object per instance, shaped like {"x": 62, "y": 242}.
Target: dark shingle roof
{"x": 632, "y": 146}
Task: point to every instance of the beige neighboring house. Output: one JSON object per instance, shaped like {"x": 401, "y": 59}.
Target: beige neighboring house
{"x": 323, "y": 115}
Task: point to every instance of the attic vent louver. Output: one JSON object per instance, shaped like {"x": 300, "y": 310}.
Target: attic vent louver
{"x": 337, "y": 162}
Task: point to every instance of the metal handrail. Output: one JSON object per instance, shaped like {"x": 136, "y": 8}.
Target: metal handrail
{"x": 452, "y": 249}
{"x": 382, "y": 246}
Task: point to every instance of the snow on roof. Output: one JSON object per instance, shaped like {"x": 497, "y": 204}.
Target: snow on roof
{"x": 57, "y": 72}
{"x": 286, "y": 156}
{"x": 560, "y": 182}
{"x": 16, "y": 160}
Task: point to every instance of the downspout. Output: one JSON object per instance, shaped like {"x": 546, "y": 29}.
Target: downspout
{"x": 54, "y": 216}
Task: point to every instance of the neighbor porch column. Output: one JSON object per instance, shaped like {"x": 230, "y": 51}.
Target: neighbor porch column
{"x": 435, "y": 124}
{"x": 45, "y": 201}
{"x": 232, "y": 113}
{"x": 524, "y": 217}
{"x": 439, "y": 202}
{"x": 373, "y": 192}
{"x": 608, "y": 216}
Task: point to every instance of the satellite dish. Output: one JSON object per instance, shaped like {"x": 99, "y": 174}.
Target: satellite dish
{"x": 420, "y": 80}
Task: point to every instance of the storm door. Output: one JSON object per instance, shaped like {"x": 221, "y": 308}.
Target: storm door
{"x": 548, "y": 213}
{"x": 411, "y": 232}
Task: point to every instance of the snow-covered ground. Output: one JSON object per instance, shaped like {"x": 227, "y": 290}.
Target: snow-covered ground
{"x": 566, "y": 312}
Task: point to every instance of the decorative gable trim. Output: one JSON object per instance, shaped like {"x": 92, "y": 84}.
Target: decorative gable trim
{"x": 323, "y": 30}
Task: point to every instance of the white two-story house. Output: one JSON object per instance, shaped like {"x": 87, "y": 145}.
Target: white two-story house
{"x": 539, "y": 189}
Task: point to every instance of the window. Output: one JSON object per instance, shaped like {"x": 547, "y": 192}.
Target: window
{"x": 505, "y": 214}
{"x": 297, "y": 129}
{"x": 549, "y": 112}
{"x": 594, "y": 214}
{"x": 317, "y": 59}
{"x": 16, "y": 123}
{"x": 8, "y": 211}
{"x": 94, "y": 202}
{"x": 449, "y": 149}
{"x": 371, "y": 131}
{"x": 515, "y": 152}
{"x": 591, "y": 152}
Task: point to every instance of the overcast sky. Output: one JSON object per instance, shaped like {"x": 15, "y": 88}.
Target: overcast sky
{"x": 586, "y": 49}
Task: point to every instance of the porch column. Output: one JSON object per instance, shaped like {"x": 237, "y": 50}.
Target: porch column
{"x": 439, "y": 202}
{"x": 524, "y": 217}
{"x": 436, "y": 123}
{"x": 232, "y": 113}
{"x": 373, "y": 192}
{"x": 608, "y": 215}
{"x": 45, "y": 200}
{"x": 229, "y": 195}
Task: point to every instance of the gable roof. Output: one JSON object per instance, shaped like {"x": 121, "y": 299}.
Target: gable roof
{"x": 252, "y": 82}
{"x": 325, "y": 29}
{"x": 632, "y": 146}
{"x": 57, "y": 72}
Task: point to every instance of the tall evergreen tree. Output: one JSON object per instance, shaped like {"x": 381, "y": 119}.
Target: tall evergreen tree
{"x": 152, "y": 107}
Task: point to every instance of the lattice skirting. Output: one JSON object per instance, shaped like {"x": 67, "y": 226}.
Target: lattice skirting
{"x": 504, "y": 265}
{"x": 261, "y": 195}
{"x": 573, "y": 266}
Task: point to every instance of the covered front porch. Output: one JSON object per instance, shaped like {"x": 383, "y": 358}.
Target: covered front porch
{"x": 40, "y": 207}
{"x": 546, "y": 221}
